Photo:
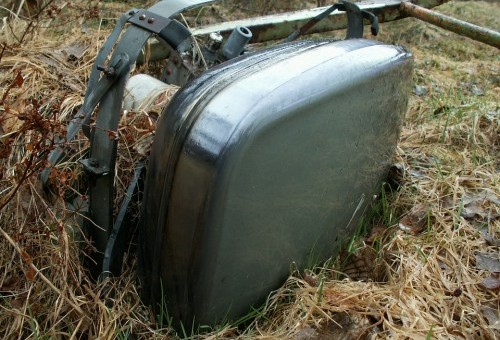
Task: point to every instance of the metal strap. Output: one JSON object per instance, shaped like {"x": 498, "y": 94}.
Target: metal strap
{"x": 104, "y": 135}
{"x": 95, "y": 89}
{"x": 354, "y": 21}
{"x": 171, "y": 31}
{"x": 105, "y": 49}
{"x": 103, "y": 149}
{"x": 120, "y": 235}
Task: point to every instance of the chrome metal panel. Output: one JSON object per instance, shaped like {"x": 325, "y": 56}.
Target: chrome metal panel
{"x": 281, "y": 154}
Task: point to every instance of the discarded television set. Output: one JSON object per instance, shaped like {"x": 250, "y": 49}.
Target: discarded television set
{"x": 262, "y": 159}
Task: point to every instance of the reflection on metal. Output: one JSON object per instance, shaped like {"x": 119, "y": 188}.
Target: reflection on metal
{"x": 472, "y": 31}
{"x": 279, "y": 26}
{"x": 258, "y": 162}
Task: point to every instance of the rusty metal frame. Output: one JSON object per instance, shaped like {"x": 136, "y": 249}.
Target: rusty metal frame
{"x": 279, "y": 26}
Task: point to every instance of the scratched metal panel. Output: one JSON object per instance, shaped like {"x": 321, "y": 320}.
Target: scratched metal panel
{"x": 263, "y": 162}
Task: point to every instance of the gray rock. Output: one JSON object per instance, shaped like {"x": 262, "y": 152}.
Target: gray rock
{"x": 420, "y": 90}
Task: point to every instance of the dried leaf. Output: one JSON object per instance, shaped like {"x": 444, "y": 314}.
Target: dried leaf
{"x": 311, "y": 281}
{"x": 113, "y": 135}
{"x": 492, "y": 282}
{"x": 376, "y": 234}
{"x": 306, "y": 333}
{"x": 447, "y": 202}
{"x": 361, "y": 266}
{"x": 18, "y": 303}
{"x": 143, "y": 147}
{"x": 18, "y": 81}
{"x": 50, "y": 61}
{"x": 420, "y": 90}
{"x": 74, "y": 51}
{"x": 11, "y": 124}
{"x": 492, "y": 315}
{"x": 488, "y": 262}
{"x": 476, "y": 204}
{"x": 417, "y": 174}
{"x": 26, "y": 257}
{"x": 30, "y": 274}
{"x": 345, "y": 327}
{"x": 473, "y": 209}
{"x": 415, "y": 221}
{"x": 491, "y": 240}
{"x": 9, "y": 284}
{"x": 443, "y": 265}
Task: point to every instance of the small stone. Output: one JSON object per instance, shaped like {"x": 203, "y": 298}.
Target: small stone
{"x": 420, "y": 90}
{"x": 493, "y": 115}
{"x": 477, "y": 91}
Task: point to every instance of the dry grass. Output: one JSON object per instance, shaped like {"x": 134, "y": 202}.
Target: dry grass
{"x": 422, "y": 265}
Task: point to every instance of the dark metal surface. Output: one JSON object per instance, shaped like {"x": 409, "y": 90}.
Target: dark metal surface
{"x": 464, "y": 28}
{"x": 237, "y": 190}
{"x": 150, "y": 21}
{"x": 354, "y": 20}
{"x": 176, "y": 35}
{"x": 120, "y": 237}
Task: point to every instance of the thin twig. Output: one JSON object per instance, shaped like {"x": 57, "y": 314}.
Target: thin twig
{"x": 27, "y": 173}
{"x": 35, "y": 18}
{"x": 21, "y": 4}
{"x": 196, "y": 45}
{"x": 4, "y": 46}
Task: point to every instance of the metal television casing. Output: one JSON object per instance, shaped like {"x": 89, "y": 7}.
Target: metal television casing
{"x": 266, "y": 161}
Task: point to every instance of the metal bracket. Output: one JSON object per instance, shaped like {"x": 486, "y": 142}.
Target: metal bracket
{"x": 355, "y": 18}
{"x": 373, "y": 21}
{"x": 103, "y": 148}
{"x": 150, "y": 21}
{"x": 171, "y": 31}
{"x": 106, "y": 48}
{"x": 92, "y": 167}
{"x": 117, "y": 67}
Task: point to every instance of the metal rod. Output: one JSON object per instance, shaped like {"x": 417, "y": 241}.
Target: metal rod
{"x": 279, "y": 26}
{"x": 472, "y": 31}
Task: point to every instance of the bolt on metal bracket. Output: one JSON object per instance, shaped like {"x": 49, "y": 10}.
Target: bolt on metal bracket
{"x": 92, "y": 167}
